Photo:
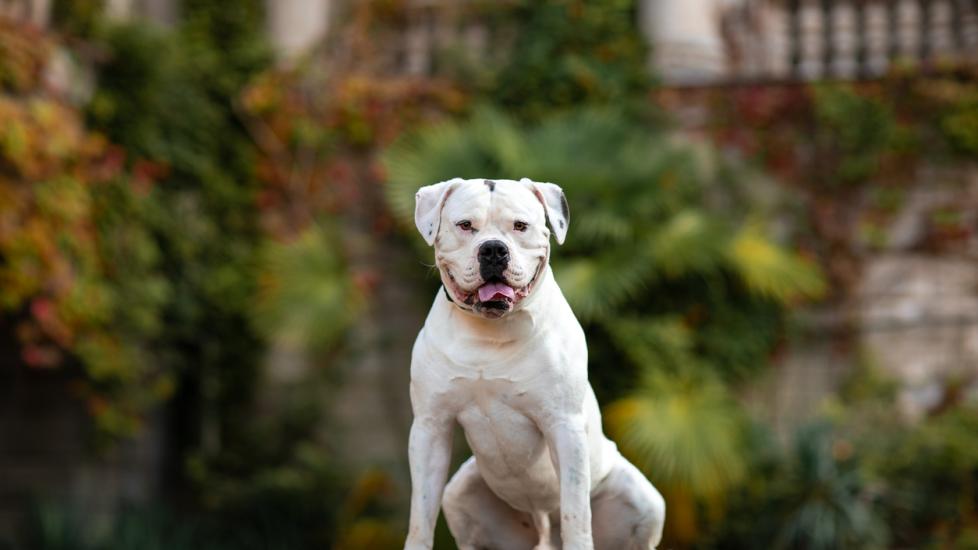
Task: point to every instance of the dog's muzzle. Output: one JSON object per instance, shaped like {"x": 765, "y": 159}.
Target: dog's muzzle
{"x": 495, "y": 295}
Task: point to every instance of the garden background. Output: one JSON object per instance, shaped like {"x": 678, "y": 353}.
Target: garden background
{"x": 210, "y": 279}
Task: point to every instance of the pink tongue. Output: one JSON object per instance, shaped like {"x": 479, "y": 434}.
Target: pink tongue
{"x": 490, "y": 291}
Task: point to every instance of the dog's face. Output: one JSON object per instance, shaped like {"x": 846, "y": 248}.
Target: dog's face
{"x": 491, "y": 238}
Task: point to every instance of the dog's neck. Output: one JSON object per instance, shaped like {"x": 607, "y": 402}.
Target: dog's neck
{"x": 474, "y": 337}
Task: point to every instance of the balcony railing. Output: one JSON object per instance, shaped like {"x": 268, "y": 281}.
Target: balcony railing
{"x": 863, "y": 38}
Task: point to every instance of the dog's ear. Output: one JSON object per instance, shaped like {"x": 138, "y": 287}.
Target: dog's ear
{"x": 554, "y": 205}
{"x": 428, "y": 203}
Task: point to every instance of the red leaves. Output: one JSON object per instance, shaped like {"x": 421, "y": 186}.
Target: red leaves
{"x": 319, "y": 143}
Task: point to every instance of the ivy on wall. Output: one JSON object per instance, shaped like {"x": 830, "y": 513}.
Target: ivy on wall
{"x": 850, "y": 150}
{"x": 80, "y": 273}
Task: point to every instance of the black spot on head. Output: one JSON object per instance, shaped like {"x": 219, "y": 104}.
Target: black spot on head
{"x": 561, "y": 224}
{"x": 491, "y": 184}
{"x": 564, "y": 208}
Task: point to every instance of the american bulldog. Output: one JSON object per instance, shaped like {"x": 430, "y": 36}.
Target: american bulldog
{"x": 502, "y": 353}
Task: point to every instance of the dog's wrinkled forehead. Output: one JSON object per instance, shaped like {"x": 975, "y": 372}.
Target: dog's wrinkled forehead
{"x": 486, "y": 199}
{"x": 492, "y": 201}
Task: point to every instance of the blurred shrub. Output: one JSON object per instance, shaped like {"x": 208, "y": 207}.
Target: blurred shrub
{"x": 689, "y": 435}
{"x": 138, "y": 261}
{"x": 80, "y": 274}
{"x": 960, "y": 123}
{"x": 165, "y": 236}
{"x": 931, "y": 474}
{"x": 824, "y": 499}
{"x": 166, "y": 96}
{"x": 854, "y": 131}
{"x": 262, "y": 479}
{"x": 814, "y": 495}
{"x": 318, "y": 138}
{"x": 861, "y": 476}
{"x": 567, "y": 53}
{"x": 307, "y": 298}
{"x": 23, "y": 55}
{"x": 77, "y": 17}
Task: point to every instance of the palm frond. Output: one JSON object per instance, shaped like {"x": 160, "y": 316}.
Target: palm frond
{"x": 687, "y": 242}
{"x": 772, "y": 272}
{"x": 659, "y": 343}
{"x": 823, "y": 506}
{"x": 307, "y": 298}
{"x": 500, "y": 139}
{"x": 438, "y": 153}
{"x": 683, "y": 430}
{"x": 603, "y": 227}
{"x": 596, "y": 286}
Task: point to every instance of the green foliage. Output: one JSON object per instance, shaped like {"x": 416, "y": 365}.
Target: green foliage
{"x": 61, "y": 527}
{"x": 825, "y": 501}
{"x": 960, "y": 124}
{"x": 23, "y": 56}
{"x": 689, "y": 435}
{"x": 166, "y": 96}
{"x": 862, "y": 477}
{"x": 52, "y": 527}
{"x": 815, "y": 495}
{"x": 172, "y": 97}
{"x": 259, "y": 500}
{"x": 77, "y": 17}
{"x": 80, "y": 274}
{"x": 924, "y": 471}
{"x": 770, "y": 271}
{"x": 854, "y": 129}
{"x": 308, "y": 299}
{"x": 932, "y": 481}
{"x": 568, "y": 53}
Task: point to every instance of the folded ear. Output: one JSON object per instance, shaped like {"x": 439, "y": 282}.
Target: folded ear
{"x": 428, "y": 203}
{"x": 554, "y": 205}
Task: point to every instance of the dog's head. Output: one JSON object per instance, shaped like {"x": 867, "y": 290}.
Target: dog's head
{"x": 491, "y": 238}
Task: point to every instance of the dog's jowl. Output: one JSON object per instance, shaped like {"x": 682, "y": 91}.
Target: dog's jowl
{"x": 502, "y": 354}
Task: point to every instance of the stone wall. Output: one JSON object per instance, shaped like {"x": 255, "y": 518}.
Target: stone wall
{"x": 913, "y": 315}
{"x": 46, "y": 452}
{"x": 918, "y": 297}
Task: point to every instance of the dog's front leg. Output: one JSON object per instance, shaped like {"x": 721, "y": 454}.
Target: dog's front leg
{"x": 568, "y": 439}
{"x": 429, "y": 453}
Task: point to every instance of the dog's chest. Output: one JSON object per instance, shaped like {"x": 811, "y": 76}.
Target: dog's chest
{"x": 500, "y": 434}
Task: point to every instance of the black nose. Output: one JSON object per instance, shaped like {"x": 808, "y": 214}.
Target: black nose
{"x": 493, "y": 259}
{"x": 494, "y": 252}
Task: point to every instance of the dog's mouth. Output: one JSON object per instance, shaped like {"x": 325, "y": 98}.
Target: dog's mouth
{"x": 494, "y": 298}
{"x": 496, "y": 291}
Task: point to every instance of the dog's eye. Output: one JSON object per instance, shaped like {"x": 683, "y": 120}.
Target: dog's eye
{"x": 520, "y": 226}
{"x": 465, "y": 225}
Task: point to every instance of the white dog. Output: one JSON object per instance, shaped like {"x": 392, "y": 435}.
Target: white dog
{"x": 502, "y": 353}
